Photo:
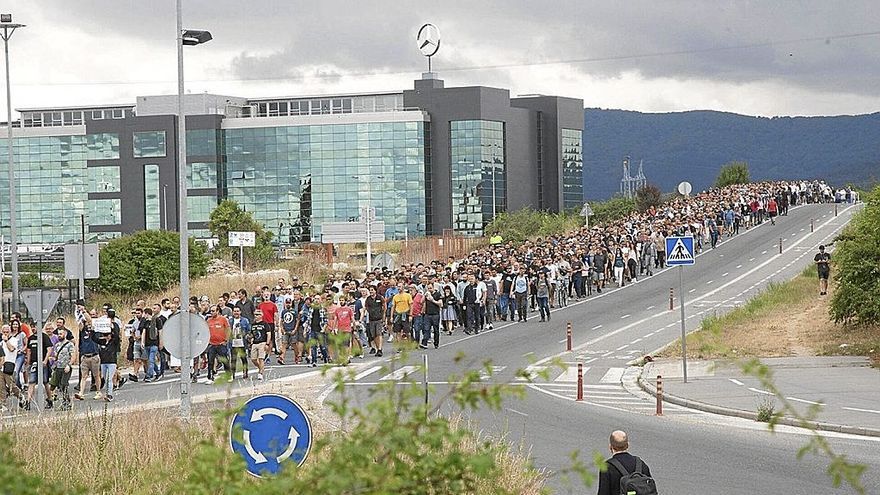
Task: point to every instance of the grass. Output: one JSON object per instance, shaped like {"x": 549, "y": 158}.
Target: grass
{"x": 786, "y": 319}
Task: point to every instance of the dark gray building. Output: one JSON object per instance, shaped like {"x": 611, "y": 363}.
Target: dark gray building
{"x": 428, "y": 159}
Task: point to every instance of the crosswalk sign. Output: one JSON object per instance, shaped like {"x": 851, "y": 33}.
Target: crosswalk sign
{"x": 679, "y": 251}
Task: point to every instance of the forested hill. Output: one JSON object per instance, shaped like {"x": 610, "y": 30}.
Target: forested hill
{"x": 693, "y": 145}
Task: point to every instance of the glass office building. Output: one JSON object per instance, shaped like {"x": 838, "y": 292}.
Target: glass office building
{"x": 431, "y": 160}
{"x": 295, "y": 178}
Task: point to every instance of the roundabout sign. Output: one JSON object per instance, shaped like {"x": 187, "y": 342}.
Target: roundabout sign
{"x": 270, "y": 432}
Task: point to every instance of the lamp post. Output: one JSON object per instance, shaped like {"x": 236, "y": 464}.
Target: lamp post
{"x": 8, "y": 28}
{"x": 188, "y": 38}
{"x": 368, "y": 218}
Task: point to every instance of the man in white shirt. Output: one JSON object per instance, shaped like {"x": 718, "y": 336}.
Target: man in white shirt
{"x": 8, "y": 387}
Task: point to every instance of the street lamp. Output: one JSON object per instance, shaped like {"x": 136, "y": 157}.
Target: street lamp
{"x": 187, "y": 38}
{"x": 8, "y": 28}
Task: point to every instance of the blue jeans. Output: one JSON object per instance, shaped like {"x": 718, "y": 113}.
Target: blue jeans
{"x": 418, "y": 329}
{"x": 319, "y": 340}
{"x": 107, "y": 372}
{"x": 503, "y": 302}
{"x": 152, "y": 365}
{"x": 19, "y": 364}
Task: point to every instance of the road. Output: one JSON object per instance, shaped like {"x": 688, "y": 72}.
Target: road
{"x": 689, "y": 452}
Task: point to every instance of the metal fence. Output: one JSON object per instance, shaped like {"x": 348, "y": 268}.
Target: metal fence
{"x": 427, "y": 249}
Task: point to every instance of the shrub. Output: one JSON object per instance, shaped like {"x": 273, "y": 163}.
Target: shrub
{"x": 148, "y": 260}
{"x": 733, "y": 173}
{"x": 228, "y": 216}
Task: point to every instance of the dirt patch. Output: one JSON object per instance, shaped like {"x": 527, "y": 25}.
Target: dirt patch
{"x": 788, "y": 320}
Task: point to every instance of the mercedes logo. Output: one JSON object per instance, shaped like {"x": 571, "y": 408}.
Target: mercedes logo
{"x": 428, "y": 40}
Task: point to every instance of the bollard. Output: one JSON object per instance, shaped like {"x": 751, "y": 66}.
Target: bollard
{"x": 671, "y": 298}
{"x": 580, "y": 396}
{"x": 835, "y": 209}
{"x": 811, "y": 225}
{"x": 659, "y": 395}
{"x": 568, "y": 336}
{"x": 780, "y": 245}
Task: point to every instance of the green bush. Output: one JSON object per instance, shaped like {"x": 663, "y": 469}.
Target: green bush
{"x": 856, "y": 265}
{"x": 518, "y": 226}
{"x": 733, "y": 173}
{"x": 148, "y": 260}
{"x": 228, "y": 216}
{"x": 611, "y": 210}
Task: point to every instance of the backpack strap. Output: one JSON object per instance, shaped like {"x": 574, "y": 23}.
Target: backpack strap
{"x": 639, "y": 465}
{"x": 623, "y": 472}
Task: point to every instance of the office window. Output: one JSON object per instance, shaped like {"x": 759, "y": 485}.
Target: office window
{"x": 103, "y": 179}
{"x": 572, "y": 169}
{"x": 105, "y": 211}
{"x": 201, "y": 175}
{"x": 102, "y": 146}
{"x": 152, "y": 211}
{"x": 149, "y": 144}
{"x": 199, "y": 208}
{"x": 477, "y": 173}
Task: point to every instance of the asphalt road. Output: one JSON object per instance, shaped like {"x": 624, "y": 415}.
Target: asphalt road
{"x": 689, "y": 452}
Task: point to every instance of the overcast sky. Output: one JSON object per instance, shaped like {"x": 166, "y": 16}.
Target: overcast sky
{"x": 751, "y": 57}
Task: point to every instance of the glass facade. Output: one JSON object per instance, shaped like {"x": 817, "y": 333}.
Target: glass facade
{"x": 199, "y": 208}
{"x": 148, "y": 144}
{"x": 572, "y": 169}
{"x": 152, "y": 211}
{"x": 201, "y": 175}
{"x": 103, "y": 179}
{"x": 105, "y": 211}
{"x": 295, "y": 178}
{"x": 477, "y": 173}
{"x": 52, "y": 183}
{"x": 203, "y": 142}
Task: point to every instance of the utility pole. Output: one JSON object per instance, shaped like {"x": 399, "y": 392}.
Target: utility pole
{"x": 8, "y": 29}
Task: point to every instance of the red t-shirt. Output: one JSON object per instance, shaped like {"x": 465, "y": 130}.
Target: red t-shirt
{"x": 218, "y": 327}
{"x": 269, "y": 309}
{"x": 344, "y": 317}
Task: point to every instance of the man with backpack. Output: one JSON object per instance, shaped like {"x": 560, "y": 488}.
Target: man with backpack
{"x": 625, "y": 474}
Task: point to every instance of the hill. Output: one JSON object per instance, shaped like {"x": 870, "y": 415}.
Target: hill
{"x": 693, "y": 145}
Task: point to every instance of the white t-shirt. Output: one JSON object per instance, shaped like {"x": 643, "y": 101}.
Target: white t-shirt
{"x": 10, "y": 356}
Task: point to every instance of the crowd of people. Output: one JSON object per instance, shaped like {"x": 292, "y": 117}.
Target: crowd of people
{"x": 354, "y": 316}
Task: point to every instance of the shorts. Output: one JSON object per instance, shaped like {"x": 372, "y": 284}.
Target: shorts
{"x": 598, "y": 276}
{"x": 288, "y": 338}
{"x": 258, "y": 351}
{"x": 374, "y": 329}
{"x": 32, "y": 374}
{"x": 824, "y": 273}
{"x": 139, "y": 352}
{"x": 59, "y": 377}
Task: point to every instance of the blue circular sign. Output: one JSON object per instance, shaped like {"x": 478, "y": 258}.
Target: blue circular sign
{"x": 270, "y": 431}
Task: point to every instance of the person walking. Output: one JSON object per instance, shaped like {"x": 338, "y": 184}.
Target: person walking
{"x": 10, "y": 348}
{"x": 520, "y": 294}
{"x": 542, "y": 289}
{"x": 823, "y": 265}
{"x": 623, "y": 466}
{"x": 108, "y": 349}
{"x": 218, "y": 341}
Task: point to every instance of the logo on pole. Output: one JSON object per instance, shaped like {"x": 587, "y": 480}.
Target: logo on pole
{"x": 270, "y": 432}
{"x": 679, "y": 251}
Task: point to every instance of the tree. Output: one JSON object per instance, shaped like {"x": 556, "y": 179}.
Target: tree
{"x": 148, "y": 260}
{"x": 733, "y": 173}
{"x": 648, "y": 196}
{"x": 857, "y": 264}
{"x": 228, "y": 216}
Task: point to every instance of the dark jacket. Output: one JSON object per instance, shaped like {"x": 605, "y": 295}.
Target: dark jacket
{"x": 609, "y": 480}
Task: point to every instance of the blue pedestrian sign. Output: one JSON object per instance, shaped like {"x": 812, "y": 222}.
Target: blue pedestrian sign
{"x": 270, "y": 432}
{"x": 679, "y": 251}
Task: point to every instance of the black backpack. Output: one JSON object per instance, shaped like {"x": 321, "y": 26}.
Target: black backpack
{"x": 634, "y": 482}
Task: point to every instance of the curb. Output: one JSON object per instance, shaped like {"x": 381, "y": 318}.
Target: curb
{"x": 646, "y": 386}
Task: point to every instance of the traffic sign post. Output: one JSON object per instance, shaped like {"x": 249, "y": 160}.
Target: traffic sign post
{"x": 270, "y": 432}
{"x": 40, "y": 302}
{"x": 198, "y": 335}
{"x": 680, "y": 252}
{"x": 242, "y": 239}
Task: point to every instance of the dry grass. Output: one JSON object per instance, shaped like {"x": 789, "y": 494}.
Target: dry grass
{"x": 788, "y": 319}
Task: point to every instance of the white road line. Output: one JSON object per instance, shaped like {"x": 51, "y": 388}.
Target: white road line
{"x": 805, "y": 401}
{"x": 751, "y": 259}
{"x": 588, "y": 361}
{"x": 570, "y": 374}
{"x": 709, "y": 282}
{"x": 368, "y": 371}
{"x": 608, "y": 354}
{"x": 597, "y": 327}
{"x": 734, "y": 380}
{"x": 725, "y": 274}
{"x": 802, "y": 230}
{"x": 739, "y": 266}
{"x": 622, "y": 347}
{"x": 563, "y": 340}
{"x": 514, "y": 411}
{"x": 624, "y": 316}
{"x": 399, "y": 373}
{"x": 764, "y": 252}
{"x": 671, "y": 325}
{"x": 861, "y": 410}
{"x": 692, "y": 290}
{"x": 635, "y": 341}
{"x": 650, "y": 307}
{"x": 759, "y": 391}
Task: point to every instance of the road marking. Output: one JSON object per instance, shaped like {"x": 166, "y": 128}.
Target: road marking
{"x": 563, "y": 340}
{"x": 709, "y": 282}
{"x": 622, "y": 347}
{"x": 764, "y": 252}
{"x": 670, "y": 325}
{"x": 805, "y": 401}
{"x": 751, "y": 259}
{"x": 588, "y": 361}
{"x": 802, "y": 230}
{"x": 692, "y": 290}
{"x": 725, "y": 274}
{"x": 734, "y": 380}
{"x": 624, "y": 316}
{"x": 739, "y": 266}
{"x": 759, "y": 391}
{"x": 650, "y": 307}
{"x": 597, "y": 327}
{"x": 514, "y": 411}
{"x": 608, "y": 354}
{"x": 399, "y": 373}
{"x": 485, "y": 375}
{"x": 635, "y": 341}
{"x": 368, "y": 371}
{"x": 613, "y": 375}
{"x": 861, "y": 410}
{"x": 570, "y": 374}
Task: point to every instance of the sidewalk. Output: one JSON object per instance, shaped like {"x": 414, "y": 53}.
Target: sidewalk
{"x": 846, "y": 389}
